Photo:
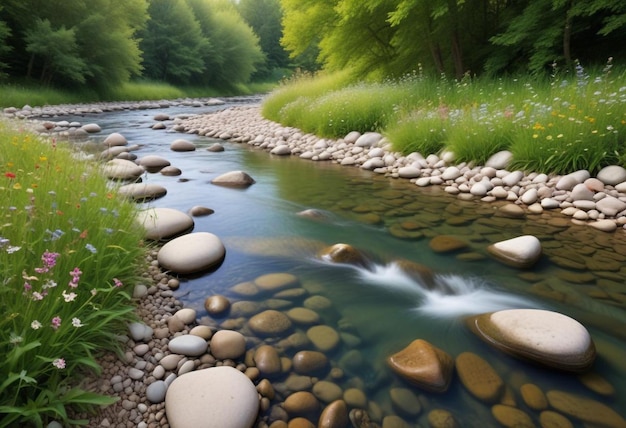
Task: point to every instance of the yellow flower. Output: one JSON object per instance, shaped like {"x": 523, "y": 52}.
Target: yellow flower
{"x": 43, "y": 158}
{"x": 549, "y": 137}
{"x": 17, "y": 186}
{"x": 535, "y": 135}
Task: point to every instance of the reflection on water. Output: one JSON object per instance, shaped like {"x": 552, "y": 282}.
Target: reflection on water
{"x": 380, "y": 311}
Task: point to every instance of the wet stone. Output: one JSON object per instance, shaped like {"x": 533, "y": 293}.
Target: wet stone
{"x": 323, "y": 337}
{"x": 587, "y": 410}
{"x": 479, "y": 377}
{"x": 270, "y": 323}
{"x": 511, "y": 417}
{"x": 274, "y": 282}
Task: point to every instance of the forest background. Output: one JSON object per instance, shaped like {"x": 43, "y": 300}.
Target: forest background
{"x": 97, "y": 46}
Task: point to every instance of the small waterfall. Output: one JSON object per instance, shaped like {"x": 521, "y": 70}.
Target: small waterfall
{"x": 449, "y": 295}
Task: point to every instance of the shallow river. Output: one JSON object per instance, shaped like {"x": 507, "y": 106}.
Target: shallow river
{"x": 379, "y": 312}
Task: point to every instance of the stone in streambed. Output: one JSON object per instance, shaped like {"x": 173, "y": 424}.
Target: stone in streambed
{"x": 311, "y": 363}
{"x": 267, "y": 360}
{"x": 218, "y": 397}
{"x": 122, "y": 169}
{"x": 228, "y": 344}
{"x": 217, "y": 305}
{"x": 544, "y": 337}
{"x": 323, "y": 337}
{"x": 164, "y": 223}
{"x": 480, "y": 379}
{"x": 200, "y": 211}
{"x": 115, "y": 139}
{"x": 234, "y": 179}
{"x": 511, "y": 417}
{"x": 181, "y": 145}
{"x": 587, "y": 410}
{"x": 423, "y": 365}
{"x": 191, "y": 253}
{"x": 346, "y": 254}
{"x": 273, "y": 282}
{"x": 521, "y": 252}
{"x": 270, "y": 323}
{"x": 446, "y": 244}
{"x": 153, "y": 163}
{"x": 141, "y": 192}
{"x": 301, "y": 403}
{"x": 335, "y": 415}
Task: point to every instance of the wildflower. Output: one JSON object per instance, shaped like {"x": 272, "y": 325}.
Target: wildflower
{"x": 76, "y": 273}
{"x": 9, "y": 174}
{"x": 37, "y": 296}
{"x": 69, "y": 297}
{"x": 94, "y": 291}
{"x": 49, "y": 284}
{"x": 117, "y": 282}
{"x": 17, "y": 186}
{"x": 49, "y": 261}
{"x": 91, "y": 248}
{"x": 14, "y": 339}
{"x": 56, "y": 322}
{"x": 35, "y": 325}
{"x": 76, "y": 322}
{"x": 59, "y": 363}
{"x": 3, "y": 241}
{"x": 27, "y": 287}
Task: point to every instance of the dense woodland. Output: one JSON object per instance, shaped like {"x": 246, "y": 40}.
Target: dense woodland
{"x": 103, "y": 43}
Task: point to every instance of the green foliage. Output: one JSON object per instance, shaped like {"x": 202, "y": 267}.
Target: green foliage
{"x": 5, "y": 32}
{"x": 264, "y": 17}
{"x": 58, "y": 51}
{"x": 418, "y": 132}
{"x": 173, "y": 42}
{"x": 70, "y": 252}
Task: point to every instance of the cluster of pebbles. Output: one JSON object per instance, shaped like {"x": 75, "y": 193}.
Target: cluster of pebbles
{"x": 599, "y": 201}
{"x": 282, "y": 346}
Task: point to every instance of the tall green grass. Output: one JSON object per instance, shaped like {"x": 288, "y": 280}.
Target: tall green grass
{"x": 70, "y": 253}
{"x": 556, "y": 125}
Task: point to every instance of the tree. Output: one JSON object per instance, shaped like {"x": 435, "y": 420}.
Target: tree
{"x": 233, "y": 52}
{"x": 5, "y": 31}
{"x": 54, "y": 53}
{"x": 264, "y": 16}
{"x": 173, "y": 43}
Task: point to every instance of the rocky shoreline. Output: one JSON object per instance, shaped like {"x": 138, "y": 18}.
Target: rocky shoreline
{"x": 293, "y": 391}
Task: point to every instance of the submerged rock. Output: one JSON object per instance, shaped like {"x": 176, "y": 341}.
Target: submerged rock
{"x": 544, "y": 337}
{"x": 423, "y": 365}
{"x": 346, "y": 254}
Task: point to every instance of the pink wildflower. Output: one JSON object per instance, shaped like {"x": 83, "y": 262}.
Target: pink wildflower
{"x": 117, "y": 282}
{"x": 56, "y": 322}
{"x": 59, "y": 363}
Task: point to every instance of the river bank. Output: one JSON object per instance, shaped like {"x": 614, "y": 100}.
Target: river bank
{"x": 157, "y": 306}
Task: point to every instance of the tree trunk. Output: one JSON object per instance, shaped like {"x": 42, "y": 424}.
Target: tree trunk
{"x": 457, "y": 55}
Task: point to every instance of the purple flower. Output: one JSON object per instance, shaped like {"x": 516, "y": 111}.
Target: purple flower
{"x": 59, "y": 363}
{"x": 56, "y": 322}
{"x": 76, "y": 273}
{"x": 117, "y": 282}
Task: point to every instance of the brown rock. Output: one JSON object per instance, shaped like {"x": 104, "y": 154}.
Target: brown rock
{"x": 303, "y": 316}
{"x": 270, "y": 323}
{"x": 446, "y": 244}
{"x": 301, "y": 403}
{"x": 597, "y": 383}
{"x": 585, "y": 409}
{"x": 405, "y": 401}
{"x": 440, "y": 418}
{"x": 344, "y": 253}
{"x": 267, "y": 360}
{"x": 300, "y": 423}
{"x": 276, "y": 281}
{"x": 217, "y": 305}
{"x": 335, "y": 415}
{"x": 228, "y": 344}
{"x": 424, "y": 365}
{"x": 511, "y": 417}
{"x": 480, "y": 379}
{"x": 323, "y": 337}
{"x": 310, "y": 363}
{"x": 533, "y": 396}
{"x": 326, "y": 391}
{"x": 550, "y": 419}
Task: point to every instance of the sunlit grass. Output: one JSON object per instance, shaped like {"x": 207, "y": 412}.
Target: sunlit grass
{"x": 553, "y": 125}
{"x": 70, "y": 252}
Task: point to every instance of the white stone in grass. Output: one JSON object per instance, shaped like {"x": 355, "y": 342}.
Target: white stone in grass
{"x": 612, "y": 175}
{"x": 499, "y": 160}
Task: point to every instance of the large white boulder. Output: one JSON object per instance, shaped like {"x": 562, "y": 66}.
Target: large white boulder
{"x": 164, "y": 223}
{"x": 191, "y": 253}
{"x": 217, "y": 397}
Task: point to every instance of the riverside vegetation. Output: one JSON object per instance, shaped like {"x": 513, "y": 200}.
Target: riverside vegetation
{"x": 69, "y": 254}
{"x": 560, "y": 125}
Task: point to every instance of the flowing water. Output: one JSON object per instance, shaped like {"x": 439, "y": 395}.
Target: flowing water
{"x": 381, "y": 310}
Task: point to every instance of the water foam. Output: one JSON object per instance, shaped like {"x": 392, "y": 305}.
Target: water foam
{"x": 451, "y": 296}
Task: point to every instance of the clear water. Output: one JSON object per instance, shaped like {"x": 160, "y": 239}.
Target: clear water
{"x": 384, "y": 308}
